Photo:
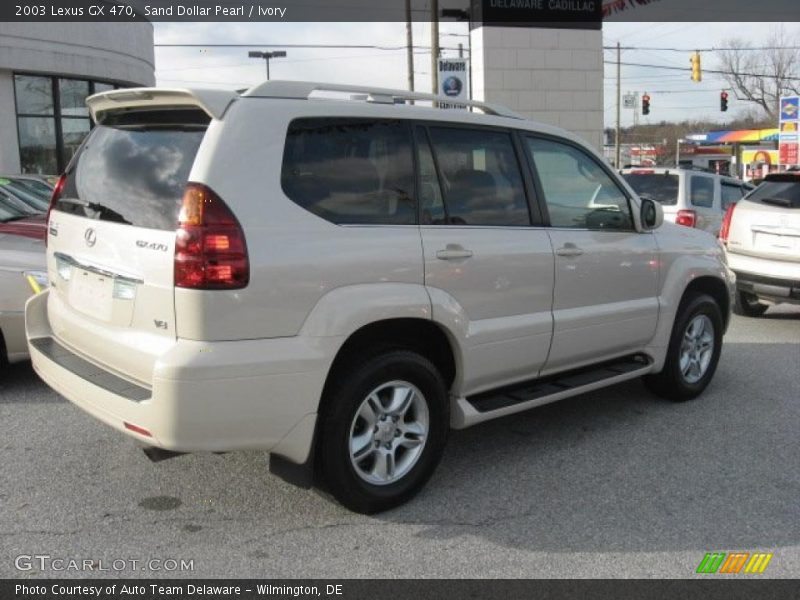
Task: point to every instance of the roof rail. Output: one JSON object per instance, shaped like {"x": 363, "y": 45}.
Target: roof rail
{"x": 301, "y": 90}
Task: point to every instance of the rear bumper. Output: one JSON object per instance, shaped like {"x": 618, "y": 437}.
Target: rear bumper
{"x": 777, "y": 281}
{"x": 769, "y": 288}
{"x": 205, "y": 396}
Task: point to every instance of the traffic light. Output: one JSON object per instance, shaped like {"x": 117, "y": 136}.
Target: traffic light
{"x": 645, "y": 104}
{"x": 723, "y": 101}
{"x": 697, "y": 72}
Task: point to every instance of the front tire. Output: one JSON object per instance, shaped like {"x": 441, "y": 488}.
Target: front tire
{"x": 693, "y": 352}
{"x": 384, "y": 428}
{"x": 747, "y": 305}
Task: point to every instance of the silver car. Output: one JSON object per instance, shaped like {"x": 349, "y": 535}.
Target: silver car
{"x": 22, "y": 274}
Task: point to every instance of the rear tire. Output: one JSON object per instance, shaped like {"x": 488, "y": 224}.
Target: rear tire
{"x": 384, "y": 427}
{"x": 693, "y": 352}
{"x": 747, "y": 305}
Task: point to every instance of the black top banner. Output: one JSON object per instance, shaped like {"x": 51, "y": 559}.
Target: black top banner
{"x": 576, "y": 14}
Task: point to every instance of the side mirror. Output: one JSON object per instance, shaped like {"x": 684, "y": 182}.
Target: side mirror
{"x": 651, "y": 214}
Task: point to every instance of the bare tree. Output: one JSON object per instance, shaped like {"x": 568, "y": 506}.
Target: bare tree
{"x": 762, "y": 76}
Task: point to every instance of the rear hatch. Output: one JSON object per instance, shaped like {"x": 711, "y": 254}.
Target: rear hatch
{"x": 112, "y": 233}
{"x": 663, "y": 187}
{"x": 766, "y": 223}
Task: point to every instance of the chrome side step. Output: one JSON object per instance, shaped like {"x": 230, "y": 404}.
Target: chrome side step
{"x": 529, "y": 394}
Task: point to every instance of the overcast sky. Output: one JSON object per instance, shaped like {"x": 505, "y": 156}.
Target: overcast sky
{"x": 673, "y": 95}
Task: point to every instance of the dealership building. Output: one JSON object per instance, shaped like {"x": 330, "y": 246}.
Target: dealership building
{"x": 46, "y": 72}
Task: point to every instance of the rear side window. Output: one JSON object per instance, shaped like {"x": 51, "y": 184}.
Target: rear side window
{"x": 132, "y": 173}
{"x": 661, "y": 188}
{"x": 778, "y": 193}
{"x": 701, "y": 191}
{"x": 481, "y": 177}
{"x": 351, "y": 171}
{"x": 731, "y": 194}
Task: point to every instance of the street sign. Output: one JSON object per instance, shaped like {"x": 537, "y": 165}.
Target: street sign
{"x": 788, "y": 143}
{"x": 629, "y": 101}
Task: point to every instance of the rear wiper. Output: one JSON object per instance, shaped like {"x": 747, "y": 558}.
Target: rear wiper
{"x": 785, "y": 202}
{"x": 15, "y": 218}
{"x": 103, "y": 212}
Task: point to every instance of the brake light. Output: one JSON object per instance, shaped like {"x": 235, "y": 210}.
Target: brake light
{"x": 687, "y": 218}
{"x": 210, "y": 249}
{"x": 726, "y": 224}
{"x": 57, "y": 190}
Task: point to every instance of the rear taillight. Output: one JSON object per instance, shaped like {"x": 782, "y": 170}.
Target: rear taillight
{"x": 53, "y": 199}
{"x": 726, "y": 224}
{"x": 210, "y": 249}
{"x": 687, "y": 218}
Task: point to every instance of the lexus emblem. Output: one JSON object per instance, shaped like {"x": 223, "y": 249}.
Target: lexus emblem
{"x": 90, "y": 237}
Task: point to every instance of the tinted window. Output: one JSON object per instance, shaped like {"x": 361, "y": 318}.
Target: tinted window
{"x": 661, "y": 188}
{"x": 701, "y": 191}
{"x": 480, "y": 176}
{"x": 430, "y": 192}
{"x": 133, "y": 174}
{"x": 731, "y": 194}
{"x": 578, "y": 191}
{"x": 778, "y": 193}
{"x": 351, "y": 171}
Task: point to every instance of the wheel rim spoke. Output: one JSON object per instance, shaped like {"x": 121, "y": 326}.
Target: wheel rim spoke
{"x": 401, "y": 400}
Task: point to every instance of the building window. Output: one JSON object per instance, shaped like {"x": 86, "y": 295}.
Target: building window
{"x": 52, "y": 119}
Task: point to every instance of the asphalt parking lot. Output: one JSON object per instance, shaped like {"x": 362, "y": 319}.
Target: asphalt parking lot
{"x": 615, "y": 483}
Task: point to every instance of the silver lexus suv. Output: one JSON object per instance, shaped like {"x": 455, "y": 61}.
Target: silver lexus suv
{"x": 338, "y": 277}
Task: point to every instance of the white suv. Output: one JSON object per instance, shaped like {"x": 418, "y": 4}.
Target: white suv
{"x": 340, "y": 281}
{"x": 693, "y": 198}
{"x": 762, "y": 236}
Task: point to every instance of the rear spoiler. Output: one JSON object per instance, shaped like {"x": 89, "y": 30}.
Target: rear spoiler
{"x": 213, "y": 102}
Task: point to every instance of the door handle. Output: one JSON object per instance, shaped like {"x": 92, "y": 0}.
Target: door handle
{"x": 569, "y": 249}
{"x": 453, "y": 252}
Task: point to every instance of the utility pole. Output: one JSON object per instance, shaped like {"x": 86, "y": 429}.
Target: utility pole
{"x": 617, "y": 148}
{"x": 409, "y": 47}
{"x": 435, "y": 46}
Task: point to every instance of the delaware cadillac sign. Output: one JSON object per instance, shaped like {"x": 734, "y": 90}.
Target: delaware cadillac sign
{"x": 562, "y": 14}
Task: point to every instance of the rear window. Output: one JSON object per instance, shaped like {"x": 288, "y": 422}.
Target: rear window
{"x": 351, "y": 171}
{"x": 133, "y": 172}
{"x": 661, "y": 188}
{"x": 778, "y": 193}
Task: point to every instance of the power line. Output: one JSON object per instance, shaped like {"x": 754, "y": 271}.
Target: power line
{"x": 309, "y": 46}
{"x": 685, "y": 69}
{"x": 711, "y": 49}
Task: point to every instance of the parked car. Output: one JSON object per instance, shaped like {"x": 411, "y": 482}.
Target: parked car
{"x": 35, "y": 199}
{"x": 690, "y": 197}
{"x": 34, "y": 227}
{"x": 339, "y": 282}
{"x": 39, "y": 184}
{"x": 12, "y": 205}
{"x": 22, "y": 273}
{"x": 762, "y": 237}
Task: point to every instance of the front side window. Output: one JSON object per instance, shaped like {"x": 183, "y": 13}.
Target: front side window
{"x": 578, "y": 192}
{"x": 481, "y": 178}
{"x": 351, "y": 171}
{"x": 701, "y": 191}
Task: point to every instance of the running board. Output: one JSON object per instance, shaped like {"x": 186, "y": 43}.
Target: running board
{"x": 532, "y": 393}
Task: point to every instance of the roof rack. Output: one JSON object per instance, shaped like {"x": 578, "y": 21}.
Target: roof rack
{"x": 301, "y": 90}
